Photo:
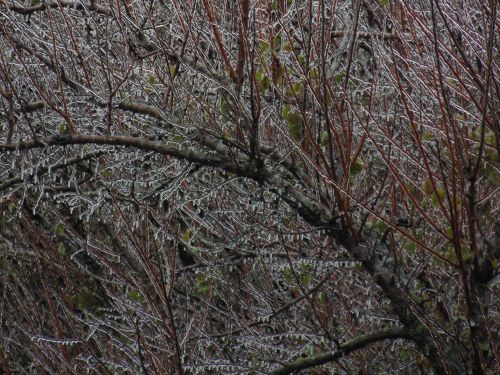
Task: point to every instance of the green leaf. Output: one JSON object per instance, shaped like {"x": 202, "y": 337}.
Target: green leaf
{"x": 264, "y": 46}
{"x": 427, "y": 136}
{"x": 35, "y": 2}
{"x": 263, "y": 80}
{"x": 278, "y": 74}
{"x": 285, "y": 110}
{"x": 133, "y": 295}
{"x": 106, "y": 172}
{"x": 380, "y": 225}
{"x": 294, "y": 121}
{"x": 491, "y": 155}
{"x": 186, "y": 236}
{"x": 59, "y": 229}
{"x": 322, "y": 298}
{"x": 277, "y": 41}
{"x": 450, "y": 254}
{"x": 356, "y": 167}
{"x": 223, "y": 105}
{"x": 441, "y": 194}
{"x": 339, "y": 77}
{"x": 288, "y": 275}
{"x": 288, "y": 47}
{"x": 305, "y": 278}
{"x": 151, "y": 80}
{"x": 79, "y": 301}
{"x": 297, "y": 87}
{"x": 427, "y": 187}
{"x": 411, "y": 247}
{"x": 63, "y": 128}
{"x": 294, "y": 90}
{"x": 383, "y": 2}
{"x": 201, "y": 284}
{"x": 63, "y": 248}
{"x": 314, "y": 73}
{"x": 308, "y": 352}
{"x": 492, "y": 175}
{"x": 405, "y": 355}
{"x": 324, "y": 139}
{"x": 449, "y": 231}
{"x": 177, "y": 138}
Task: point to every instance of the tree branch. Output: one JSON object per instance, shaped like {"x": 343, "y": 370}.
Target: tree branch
{"x": 79, "y": 5}
{"x": 358, "y": 342}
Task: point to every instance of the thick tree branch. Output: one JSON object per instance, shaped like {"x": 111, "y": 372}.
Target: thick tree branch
{"x": 140, "y": 143}
{"x": 79, "y": 5}
{"x": 358, "y": 342}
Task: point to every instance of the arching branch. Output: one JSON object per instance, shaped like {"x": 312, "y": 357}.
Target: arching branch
{"x": 350, "y": 346}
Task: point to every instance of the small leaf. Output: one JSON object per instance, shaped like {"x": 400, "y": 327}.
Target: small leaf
{"x": 294, "y": 121}
{"x": 263, "y": 80}
{"x": 223, "y": 105}
{"x": 79, "y": 301}
{"x": 404, "y": 355}
{"x": 339, "y": 77}
{"x": 449, "y": 232}
{"x": 264, "y": 46}
{"x": 411, "y": 247}
{"x": 277, "y": 41}
{"x": 172, "y": 69}
{"x": 322, "y": 298}
{"x": 288, "y": 47}
{"x": 314, "y": 73}
{"x": 428, "y": 187}
{"x": 63, "y": 248}
{"x": 133, "y": 295}
{"x": 288, "y": 275}
{"x": 106, "y": 172}
{"x": 278, "y": 72}
{"x": 201, "y": 284}
{"x": 441, "y": 194}
{"x": 285, "y": 110}
{"x": 306, "y": 278}
{"x": 427, "y": 136}
{"x": 380, "y": 225}
{"x": 186, "y": 236}
{"x": 63, "y": 128}
{"x": 308, "y": 352}
{"x": 324, "y": 139}
{"x": 59, "y": 229}
{"x": 151, "y": 80}
{"x": 177, "y": 138}
{"x": 356, "y": 167}
{"x": 297, "y": 87}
